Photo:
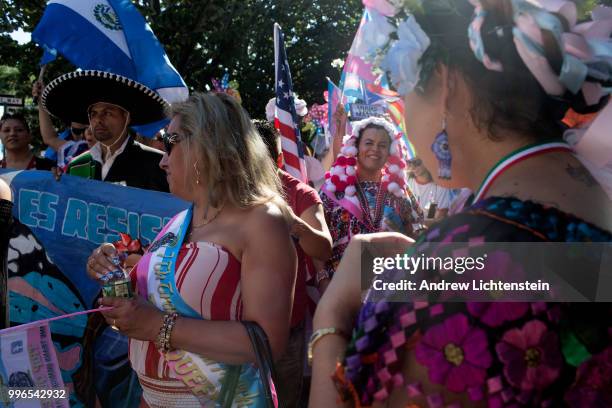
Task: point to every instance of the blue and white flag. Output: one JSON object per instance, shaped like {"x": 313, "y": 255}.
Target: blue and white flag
{"x": 112, "y": 36}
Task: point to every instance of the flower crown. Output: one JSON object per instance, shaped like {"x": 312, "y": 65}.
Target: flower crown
{"x": 226, "y": 86}
{"x": 394, "y": 42}
{"x": 342, "y": 177}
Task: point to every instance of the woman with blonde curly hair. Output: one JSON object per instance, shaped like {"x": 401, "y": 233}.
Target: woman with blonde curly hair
{"x": 209, "y": 269}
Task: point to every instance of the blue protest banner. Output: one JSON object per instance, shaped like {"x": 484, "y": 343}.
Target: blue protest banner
{"x": 74, "y": 216}
{"x": 58, "y": 225}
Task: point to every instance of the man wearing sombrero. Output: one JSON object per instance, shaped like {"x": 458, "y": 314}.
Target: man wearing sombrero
{"x": 110, "y": 103}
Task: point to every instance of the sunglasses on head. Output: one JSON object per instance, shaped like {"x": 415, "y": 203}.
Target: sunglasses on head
{"x": 78, "y": 131}
{"x": 415, "y": 162}
{"x": 169, "y": 140}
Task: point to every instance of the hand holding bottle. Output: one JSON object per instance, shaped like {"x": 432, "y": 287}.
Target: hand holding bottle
{"x": 100, "y": 262}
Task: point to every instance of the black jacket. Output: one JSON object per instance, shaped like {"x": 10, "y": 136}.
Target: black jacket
{"x": 137, "y": 166}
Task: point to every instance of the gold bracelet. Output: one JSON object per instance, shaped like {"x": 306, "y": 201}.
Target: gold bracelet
{"x": 318, "y": 335}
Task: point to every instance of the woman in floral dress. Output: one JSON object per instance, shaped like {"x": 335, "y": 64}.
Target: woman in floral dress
{"x": 365, "y": 190}
{"x": 485, "y": 86}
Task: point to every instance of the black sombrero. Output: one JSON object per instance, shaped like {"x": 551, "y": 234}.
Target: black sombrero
{"x": 69, "y": 96}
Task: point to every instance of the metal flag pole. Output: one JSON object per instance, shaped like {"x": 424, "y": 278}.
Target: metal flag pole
{"x": 41, "y": 74}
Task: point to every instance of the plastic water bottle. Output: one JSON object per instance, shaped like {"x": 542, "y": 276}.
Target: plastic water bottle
{"x": 117, "y": 283}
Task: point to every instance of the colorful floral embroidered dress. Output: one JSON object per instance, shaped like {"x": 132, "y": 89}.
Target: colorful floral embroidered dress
{"x": 399, "y": 214}
{"x": 504, "y": 354}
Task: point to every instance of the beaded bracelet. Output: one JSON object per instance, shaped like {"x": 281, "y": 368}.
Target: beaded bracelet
{"x": 165, "y": 332}
{"x": 163, "y": 338}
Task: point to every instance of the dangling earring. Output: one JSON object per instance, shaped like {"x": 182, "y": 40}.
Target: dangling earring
{"x": 197, "y": 172}
{"x": 441, "y": 150}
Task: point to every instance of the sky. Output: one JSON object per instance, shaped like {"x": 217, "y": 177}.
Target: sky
{"x": 20, "y": 36}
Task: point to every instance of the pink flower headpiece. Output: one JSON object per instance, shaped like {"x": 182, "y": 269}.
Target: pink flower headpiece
{"x": 342, "y": 177}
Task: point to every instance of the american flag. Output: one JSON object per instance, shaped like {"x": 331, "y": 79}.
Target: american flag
{"x": 285, "y": 118}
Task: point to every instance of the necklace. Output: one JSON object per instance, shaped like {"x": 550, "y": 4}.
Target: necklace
{"x": 206, "y": 222}
{"x": 515, "y": 157}
{"x": 372, "y": 224}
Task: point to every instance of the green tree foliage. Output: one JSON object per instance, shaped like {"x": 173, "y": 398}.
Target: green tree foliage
{"x": 206, "y": 38}
{"x": 8, "y": 79}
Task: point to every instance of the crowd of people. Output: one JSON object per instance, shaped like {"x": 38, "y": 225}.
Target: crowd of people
{"x": 257, "y": 242}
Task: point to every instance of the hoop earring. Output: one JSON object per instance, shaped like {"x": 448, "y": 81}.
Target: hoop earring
{"x": 441, "y": 150}
{"x": 197, "y": 172}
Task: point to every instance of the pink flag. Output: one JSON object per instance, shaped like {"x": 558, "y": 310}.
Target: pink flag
{"x": 28, "y": 360}
{"x": 354, "y": 63}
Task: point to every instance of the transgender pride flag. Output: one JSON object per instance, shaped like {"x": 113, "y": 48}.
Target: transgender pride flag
{"x": 333, "y": 99}
{"x": 358, "y": 83}
{"x": 356, "y": 70}
{"x": 355, "y": 64}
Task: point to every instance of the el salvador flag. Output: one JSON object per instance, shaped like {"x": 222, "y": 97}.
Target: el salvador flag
{"x": 112, "y": 36}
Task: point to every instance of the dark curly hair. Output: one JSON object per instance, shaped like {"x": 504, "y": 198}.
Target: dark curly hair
{"x": 509, "y": 100}
{"x": 270, "y": 136}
